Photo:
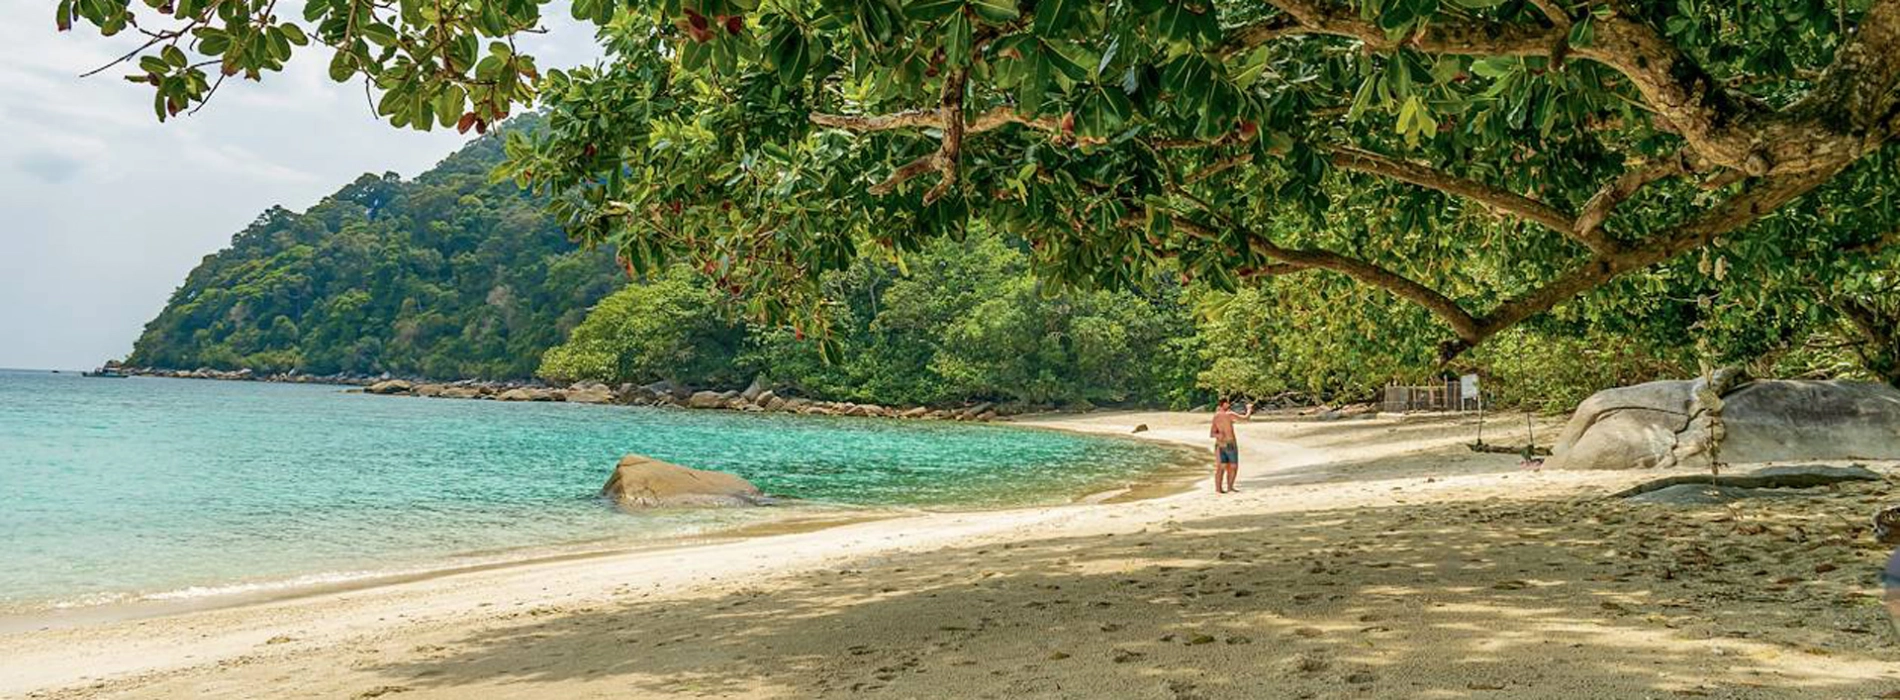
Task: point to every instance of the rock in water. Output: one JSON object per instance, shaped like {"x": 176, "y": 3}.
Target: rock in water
{"x": 1653, "y": 424}
{"x": 644, "y": 482}
{"x": 391, "y": 386}
{"x": 705, "y": 399}
{"x": 590, "y": 392}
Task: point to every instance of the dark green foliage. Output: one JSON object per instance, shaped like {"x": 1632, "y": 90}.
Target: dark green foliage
{"x": 443, "y": 276}
{"x": 956, "y": 321}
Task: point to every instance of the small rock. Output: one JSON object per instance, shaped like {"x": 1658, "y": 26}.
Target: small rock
{"x": 1360, "y": 677}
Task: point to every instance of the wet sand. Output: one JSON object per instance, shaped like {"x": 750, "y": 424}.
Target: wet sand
{"x": 1364, "y": 558}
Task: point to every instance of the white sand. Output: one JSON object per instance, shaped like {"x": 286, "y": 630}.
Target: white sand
{"x": 1361, "y": 559}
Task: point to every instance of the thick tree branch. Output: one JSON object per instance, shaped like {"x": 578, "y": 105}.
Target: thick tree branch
{"x": 913, "y": 119}
{"x": 950, "y": 155}
{"x": 1738, "y": 211}
{"x": 1294, "y": 259}
{"x": 1881, "y": 331}
{"x": 1622, "y": 188}
{"x": 1850, "y": 113}
{"x": 1426, "y": 176}
{"x": 904, "y": 173}
{"x": 1000, "y": 116}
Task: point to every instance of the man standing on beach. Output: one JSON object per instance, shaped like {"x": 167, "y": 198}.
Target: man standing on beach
{"x": 1226, "y": 445}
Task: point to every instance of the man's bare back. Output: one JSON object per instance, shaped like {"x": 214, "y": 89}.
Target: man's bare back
{"x": 1226, "y": 446}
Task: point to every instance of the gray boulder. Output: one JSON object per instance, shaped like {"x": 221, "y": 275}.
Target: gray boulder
{"x": 752, "y": 392}
{"x": 1666, "y": 424}
{"x": 643, "y": 482}
{"x": 705, "y": 399}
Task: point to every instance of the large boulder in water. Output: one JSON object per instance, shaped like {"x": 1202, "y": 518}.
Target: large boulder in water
{"x": 1665, "y": 424}
{"x": 644, "y": 482}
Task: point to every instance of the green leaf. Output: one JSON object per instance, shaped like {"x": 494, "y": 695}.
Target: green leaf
{"x": 1102, "y": 113}
{"x": 295, "y": 34}
{"x": 996, "y": 11}
{"x": 788, "y": 52}
{"x": 1054, "y": 16}
{"x": 448, "y": 104}
{"x": 1495, "y": 66}
{"x": 381, "y": 34}
{"x": 342, "y": 66}
{"x": 957, "y": 41}
{"x": 931, "y": 10}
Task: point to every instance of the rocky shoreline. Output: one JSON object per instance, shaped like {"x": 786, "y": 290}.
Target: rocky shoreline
{"x": 758, "y": 397}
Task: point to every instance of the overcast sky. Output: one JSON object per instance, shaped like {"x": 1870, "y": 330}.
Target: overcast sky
{"x": 103, "y": 209}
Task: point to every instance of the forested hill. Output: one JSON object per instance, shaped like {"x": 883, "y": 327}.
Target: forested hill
{"x": 445, "y": 276}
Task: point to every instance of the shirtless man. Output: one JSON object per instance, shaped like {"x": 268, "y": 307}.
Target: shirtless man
{"x": 1226, "y": 446}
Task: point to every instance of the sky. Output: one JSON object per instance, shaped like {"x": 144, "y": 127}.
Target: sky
{"x": 103, "y": 210}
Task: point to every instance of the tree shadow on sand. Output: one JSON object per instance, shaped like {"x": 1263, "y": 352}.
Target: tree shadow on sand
{"x": 1476, "y": 599}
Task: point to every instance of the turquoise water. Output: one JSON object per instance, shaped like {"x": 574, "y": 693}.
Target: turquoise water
{"x": 149, "y": 488}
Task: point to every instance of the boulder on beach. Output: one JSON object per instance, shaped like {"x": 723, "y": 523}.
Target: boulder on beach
{"x": 1665, "y": 424}
{"x": 461, "y": 392}
{"x": 757, "y": 388}
{"x": 643, "y": 482}
{"x": 590, "y": 392}
{"x": 530, "y": 394}
{"x": 705, "y": 399}
{"x": 390, "y": 386}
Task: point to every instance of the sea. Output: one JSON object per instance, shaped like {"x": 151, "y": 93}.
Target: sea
{"x": 117, "y": 491}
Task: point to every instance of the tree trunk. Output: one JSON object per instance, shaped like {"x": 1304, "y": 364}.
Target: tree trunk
{"x": 1881, "y": 330}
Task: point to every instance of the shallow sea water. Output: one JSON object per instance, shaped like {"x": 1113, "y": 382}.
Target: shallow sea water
{"x": 149, "y": 489}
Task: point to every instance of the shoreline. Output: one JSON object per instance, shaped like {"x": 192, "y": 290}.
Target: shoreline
{"x": 1170, "y": 477}
{"x": 1083, "y": 599}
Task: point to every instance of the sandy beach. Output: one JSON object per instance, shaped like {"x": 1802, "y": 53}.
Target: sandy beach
{"x": 1361, "y": 558}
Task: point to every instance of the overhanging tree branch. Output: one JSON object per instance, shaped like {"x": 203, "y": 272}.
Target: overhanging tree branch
{"x": 1426, "y": 176}
{"x": 1293, "y": 259}
{"x": 1738, "y": 211}
{"x": 1849, "y": 114}
{"x": 1622, "y": 188}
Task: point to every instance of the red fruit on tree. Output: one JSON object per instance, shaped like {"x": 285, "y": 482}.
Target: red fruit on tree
{"x": 735, "y": 24}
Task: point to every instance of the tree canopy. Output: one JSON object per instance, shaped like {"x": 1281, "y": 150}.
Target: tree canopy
{"x": 1485, "y": 160}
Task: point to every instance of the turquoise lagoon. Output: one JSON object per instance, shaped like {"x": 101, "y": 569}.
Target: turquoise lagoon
{"x": 148, "y": 489}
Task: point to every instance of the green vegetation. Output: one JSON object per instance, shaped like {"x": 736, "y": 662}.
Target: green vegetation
{"x": 444, "y": 276}
{"x": 962, "y": 320}
{"x": 1566, "y": 192}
